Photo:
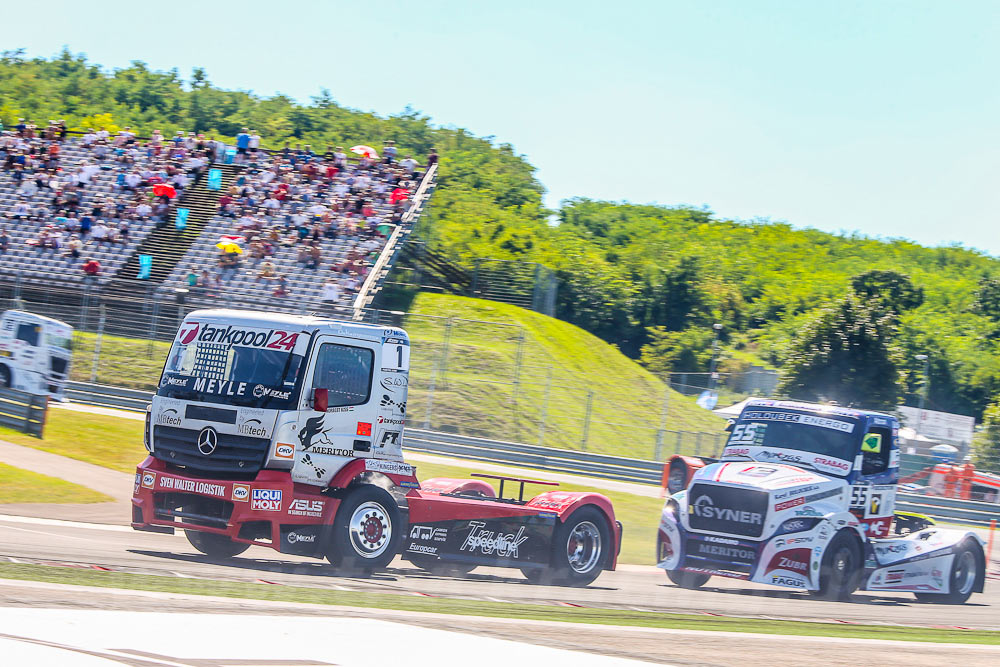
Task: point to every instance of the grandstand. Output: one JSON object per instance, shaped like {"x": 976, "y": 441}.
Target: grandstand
{"x": 308, "y": 228}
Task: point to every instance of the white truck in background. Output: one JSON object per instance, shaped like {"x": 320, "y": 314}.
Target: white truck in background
{"x": 35, "y": 353}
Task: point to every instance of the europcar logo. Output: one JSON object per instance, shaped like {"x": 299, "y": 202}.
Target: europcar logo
{"x": 188, "y": 332}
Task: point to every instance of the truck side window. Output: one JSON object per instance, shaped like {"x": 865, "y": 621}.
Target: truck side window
{"x": 28, "y": 333}
{"x": 874, "y": 462}
{"x": 346, "y": 372}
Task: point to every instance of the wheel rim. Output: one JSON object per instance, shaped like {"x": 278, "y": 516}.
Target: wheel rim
{"x": 370, "y": 530}
{"x": 965, "y": 573}
{"x": 583, "y": 547}
{"x": 841, "y": 566}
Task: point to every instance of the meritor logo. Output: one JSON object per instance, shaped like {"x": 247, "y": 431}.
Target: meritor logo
{"x": 705, "y": 508}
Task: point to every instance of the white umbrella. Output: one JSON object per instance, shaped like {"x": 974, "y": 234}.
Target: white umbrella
{"x": 366, "y": 151}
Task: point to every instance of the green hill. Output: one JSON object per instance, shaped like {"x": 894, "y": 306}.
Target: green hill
{"x": 532, "y": 378}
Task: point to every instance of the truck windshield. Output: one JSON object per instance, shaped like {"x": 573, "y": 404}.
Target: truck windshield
{"x": 819, "y": 437}
{"x": 231, "y": 374}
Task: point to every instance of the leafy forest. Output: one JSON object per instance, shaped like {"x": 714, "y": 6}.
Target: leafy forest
{"x": 842, "y": 316}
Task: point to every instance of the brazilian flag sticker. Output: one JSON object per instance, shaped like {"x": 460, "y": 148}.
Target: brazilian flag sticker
{"x": 872, "y": 442}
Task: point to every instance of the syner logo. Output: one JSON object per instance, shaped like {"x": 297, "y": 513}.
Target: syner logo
{"x": 704, "y": 507}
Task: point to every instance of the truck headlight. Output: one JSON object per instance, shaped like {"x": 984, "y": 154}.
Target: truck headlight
{"x": 147, "y": 436}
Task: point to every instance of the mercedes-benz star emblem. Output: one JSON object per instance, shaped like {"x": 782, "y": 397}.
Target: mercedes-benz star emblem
{"x": 208, "y": 440}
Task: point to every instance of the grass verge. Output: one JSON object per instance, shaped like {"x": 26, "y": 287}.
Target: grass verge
{"x": 110, "y": 442}
{"x": 24, "y": 486}
{"x": 484, "y": 608}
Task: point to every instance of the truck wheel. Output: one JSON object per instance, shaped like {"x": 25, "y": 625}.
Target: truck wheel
{"x": 580, "y": 548}
{"x": 840, "y": 569}
{"x": 215, "y": 545}
{"x": 688, "y": 579}
{"x": 366, "y": 532}
{"x": 4, "y": 377}
{"x": 965, "y": 572}
{"x": 442, "y": 567}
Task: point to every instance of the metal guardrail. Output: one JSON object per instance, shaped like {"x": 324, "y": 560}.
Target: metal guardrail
{"x": 106, "y": 396}
{"x": 574, "y": 462}
{"x": 22, "y": 411}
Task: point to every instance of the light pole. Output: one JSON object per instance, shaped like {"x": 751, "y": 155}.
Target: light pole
{"x": 715, "y": 354}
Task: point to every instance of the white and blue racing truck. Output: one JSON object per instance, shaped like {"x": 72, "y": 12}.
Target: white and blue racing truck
{"x": 35, "y": 353}
{"x": 803, "y": 497}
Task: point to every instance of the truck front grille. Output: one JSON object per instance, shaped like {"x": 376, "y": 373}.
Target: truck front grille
{"x": 727, "y": 509}
{"x": 723, "y": 554}
{"x": 238, "y": 454}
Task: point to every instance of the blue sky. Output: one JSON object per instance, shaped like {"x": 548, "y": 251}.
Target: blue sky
{"x": 879, "y": 117}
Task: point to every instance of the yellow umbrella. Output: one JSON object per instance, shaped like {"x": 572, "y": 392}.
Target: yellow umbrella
{"x": 229, "y": 246}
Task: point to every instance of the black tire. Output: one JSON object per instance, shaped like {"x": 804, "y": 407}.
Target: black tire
{"x": 581, "y": 548}
{"x": 5, "y": 377}
{"x": 215, "y": 545}
{"x": 690, "y": 580}
{"x": 366, "y": 532}
{"x": 840, "y": 569}
{"x": 966, "y": 571}
{"x": 435, "y": 565}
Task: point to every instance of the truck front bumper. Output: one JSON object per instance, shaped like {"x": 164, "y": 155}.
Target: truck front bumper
{"x": 262, "y": 511}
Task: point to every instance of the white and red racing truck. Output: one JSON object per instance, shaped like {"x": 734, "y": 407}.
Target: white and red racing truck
{"x": 803, "y": 497}
{"x": 286, "y": 432}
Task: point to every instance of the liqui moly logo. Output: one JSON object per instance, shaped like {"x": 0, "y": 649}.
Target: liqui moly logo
{"x": 489, "y": 542}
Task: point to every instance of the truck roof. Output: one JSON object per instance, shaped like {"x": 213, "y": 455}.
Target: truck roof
{"x": 36, "y": 317}
{"x": 261, "y": 319}
{"x": 815, "y": 407}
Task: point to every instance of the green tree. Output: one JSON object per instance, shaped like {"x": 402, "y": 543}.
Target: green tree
{"x": 848, "y": 354}
{"x": 893, "y": 289}
{"x": 687, "y": 351}
{"x": 988, "y": 298}
{"x": 987, "y": 440}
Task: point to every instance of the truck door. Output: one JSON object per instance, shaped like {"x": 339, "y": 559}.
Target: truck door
{"x": 873, "y": 496}
{"x": 340, "y": 373}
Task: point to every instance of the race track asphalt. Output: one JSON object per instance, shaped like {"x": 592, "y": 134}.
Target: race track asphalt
{"x": 119, "y": 548}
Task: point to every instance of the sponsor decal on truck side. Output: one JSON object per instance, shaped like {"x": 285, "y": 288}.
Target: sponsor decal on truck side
{"x": 390, "y": 467}
{"x": 192, "y": 486}
{"x": 266, "y": 500}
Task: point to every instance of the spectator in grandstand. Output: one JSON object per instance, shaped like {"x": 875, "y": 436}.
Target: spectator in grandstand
{"x": 143, "y": 210}
{"x": 91, "y": 269}
{"x": 100, "y": 232}
{"x": 281, "y": 288}
{"x": 253, "y": 143}
{"x": 331, "y": 293}
{"x": 389, "y": 151}
{"x": 242, "y": 144}
{"x": 4, "y": 240}
{"x": 432, "y": 158}
{"x": 267, "y": 270}
{"x": 192, "y": 277}
{"x": 73, "y": 247}
{"x": 409, "y": 164}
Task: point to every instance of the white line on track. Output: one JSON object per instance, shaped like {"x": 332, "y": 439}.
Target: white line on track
{"x": 11, "y": 518}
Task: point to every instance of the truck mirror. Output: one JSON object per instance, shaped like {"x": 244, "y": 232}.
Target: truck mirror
{"x": 872, "y": 442}
{"x": 321, "y": 399}
{"x": 730, "y": 423}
